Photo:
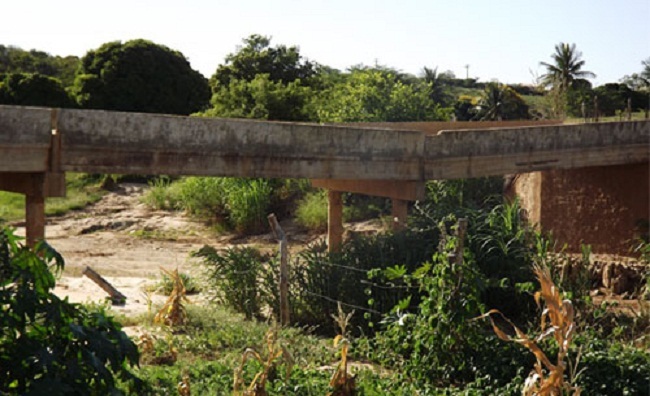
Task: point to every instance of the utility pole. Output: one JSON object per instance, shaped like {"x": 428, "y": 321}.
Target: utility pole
{"x": 466, "y": 72}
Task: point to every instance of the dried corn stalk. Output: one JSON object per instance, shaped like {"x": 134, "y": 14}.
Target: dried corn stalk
{"x": 546, "y": 379}
{"x": 173, "y": 312}
{"x": 275, "y": 351}
{"x": 342, "y": 383}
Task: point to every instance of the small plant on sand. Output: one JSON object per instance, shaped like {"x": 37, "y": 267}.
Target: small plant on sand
{"x": 546, "y": 379}
{"x": 275, "y": 353}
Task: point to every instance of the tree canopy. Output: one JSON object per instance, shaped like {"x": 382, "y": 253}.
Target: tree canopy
{"x": 378, "y": 94}
{"x": 33, "y": 89}
{"x": 256, "y": 56}
{"x": 140, "y": 76}
{"x": 16, "y": 60}
{"x": 566, "y": 67}
{"x": 264, "y": 82}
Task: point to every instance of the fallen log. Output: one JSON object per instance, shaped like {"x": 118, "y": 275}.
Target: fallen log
{"x": 116, "y": 297}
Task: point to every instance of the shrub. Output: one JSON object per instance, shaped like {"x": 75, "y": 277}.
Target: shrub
{"x": 233, "y": 275}
{"x": 612, "y": 368}
{"x": 318, "y": 279}
{"x": 312, "y": 211}
{"x": 162, "y": 194}
{"x": 48, "y": 345}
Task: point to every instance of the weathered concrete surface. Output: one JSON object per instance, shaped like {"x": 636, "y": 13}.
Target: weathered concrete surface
{"x": 433, "y": 127}
{"x": 476, "y": 153}
{"x": 395, "y": 189}
{"x": 113, "y": 142}
{"x": 24, "y": 139}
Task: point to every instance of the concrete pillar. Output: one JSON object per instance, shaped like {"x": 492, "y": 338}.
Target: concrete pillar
{"x": 334, "y": 221}
{"x": 399, "y": 213}
{"x": 35, "y": 211}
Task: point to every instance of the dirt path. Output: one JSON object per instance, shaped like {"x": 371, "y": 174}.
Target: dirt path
{"x": 126, "y": 243}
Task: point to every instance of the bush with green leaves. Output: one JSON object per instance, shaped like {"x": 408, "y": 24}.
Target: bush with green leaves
{"x": 613, "y": 368}
{"x": 48, "y": 345}
{"x": 237, "y": 203}
{"x": 312, "y": 211}
{"x": 436, "y": 341}
{"x": 318, "y": 279}
{"x": 234, "y": 276}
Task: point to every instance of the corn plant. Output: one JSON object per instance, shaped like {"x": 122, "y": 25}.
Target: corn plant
{"x": 342, "y": 383}
{"x": 149, "y": 354}
{"x": 557, "y": 321}
{"x": 183, "y": 387}
{"x": 173, "y": 313}
{"x": 275, "y": 352}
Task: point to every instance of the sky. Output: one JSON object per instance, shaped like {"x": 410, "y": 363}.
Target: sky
{"x": 500, "y": 40}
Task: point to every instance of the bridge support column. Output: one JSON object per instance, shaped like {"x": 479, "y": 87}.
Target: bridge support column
{"x": 334, "y": 221}
{"x": 35, "y": 210}
{"x": 399, "y": 212}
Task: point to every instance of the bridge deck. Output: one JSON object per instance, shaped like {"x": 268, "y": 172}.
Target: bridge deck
{"x": 38, "y": 145}
{"x": 116, "y": 142}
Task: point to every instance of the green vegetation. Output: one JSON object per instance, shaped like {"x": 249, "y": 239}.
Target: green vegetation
{"x": 48, "y": 345}
{"x": 139, "y": 76}
{"x": 24, "y": 89}
{"x": 414, "y": 293}
{"x": 312, "y": 211}
{"x": 82, "y": 189}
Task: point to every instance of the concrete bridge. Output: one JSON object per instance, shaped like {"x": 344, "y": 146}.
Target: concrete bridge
{"x": 38, "y": 145}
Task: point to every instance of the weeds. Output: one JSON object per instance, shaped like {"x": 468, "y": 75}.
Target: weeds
{"x": 557, "y": 321}
{"x": 275, "y": 353}
{"x": 173, "y": 312}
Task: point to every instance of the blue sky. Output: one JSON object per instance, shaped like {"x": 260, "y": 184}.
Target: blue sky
{"x": 499, "y": 39}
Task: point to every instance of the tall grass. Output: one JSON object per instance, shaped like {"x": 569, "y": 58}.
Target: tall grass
{"x": 81, "y": 189}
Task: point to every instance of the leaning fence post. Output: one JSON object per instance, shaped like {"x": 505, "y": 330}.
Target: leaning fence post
{"x": 284, "y": 271}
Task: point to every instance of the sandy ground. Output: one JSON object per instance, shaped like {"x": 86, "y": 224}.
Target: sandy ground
{"x": 128, "y": 244}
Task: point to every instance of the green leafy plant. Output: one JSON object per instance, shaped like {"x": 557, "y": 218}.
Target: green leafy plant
{"x": 312, "y": 211}
{"x": 233, "y": 275}
{"x": 48, "y": 345}
{"x": 167, "y": 283}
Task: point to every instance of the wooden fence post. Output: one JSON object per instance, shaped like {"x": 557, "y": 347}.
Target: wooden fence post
{"x": 284, "y": 269}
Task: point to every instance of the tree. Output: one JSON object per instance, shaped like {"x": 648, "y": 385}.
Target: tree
{"x": 500, "y": 102}
{"x": 262, "y": 98}
{"x": 377, "y": 94}
{"x": 140, "y": 76}
{"x": 566, "y": 67}
{"x": 256, "y": 56}
{"x": 16, "y": 60}
{"x": 263, "y": 82}
{"x": 439, "y": 84}
{"x": 26, "y": 89}
{"x": 639, "y": 81}
{"x": 613, "y": 97}
{"x": 562, "y": 75}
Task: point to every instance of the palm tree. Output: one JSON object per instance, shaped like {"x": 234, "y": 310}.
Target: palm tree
{"x": 500, "y": 102}
{"x": 566, "y": 67}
